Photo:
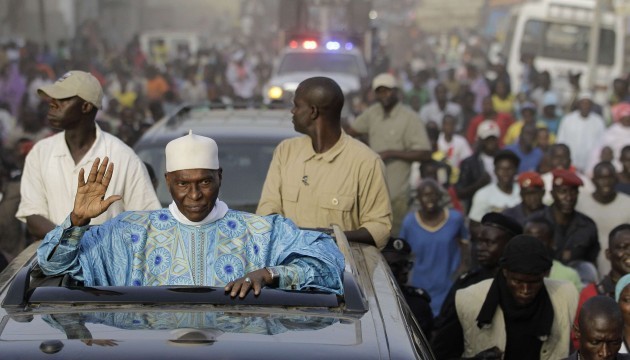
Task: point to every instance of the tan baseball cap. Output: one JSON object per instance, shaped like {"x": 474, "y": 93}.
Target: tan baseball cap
{"x": 385, "y": 80}
{"x": 75, "y": 83}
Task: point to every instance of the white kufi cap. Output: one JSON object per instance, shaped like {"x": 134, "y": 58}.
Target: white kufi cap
{"x": 192, "y": 152}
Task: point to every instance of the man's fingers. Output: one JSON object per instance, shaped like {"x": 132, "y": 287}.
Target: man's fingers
{"x": 228, "y": 287}
{"x": 94, "y": 170}
{"x": 102, "y": 169}
{"x": 112, "y": 199}
{"x": 81, "y": 181}
{"x": 108, "y": 174}
{"x": 257, "y": 287}
{"x": 242, "y": 286}
{"x": 236, "y": 287}
{"x": 245, "y": 286}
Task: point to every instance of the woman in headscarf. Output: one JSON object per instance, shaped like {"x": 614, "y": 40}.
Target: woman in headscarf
{"x": 622, "y": 295}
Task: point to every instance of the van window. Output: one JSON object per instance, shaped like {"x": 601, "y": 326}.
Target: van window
{"x": 566, "y": 41}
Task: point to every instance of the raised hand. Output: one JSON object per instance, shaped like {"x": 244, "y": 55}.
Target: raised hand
{"x": 90, "y": 200}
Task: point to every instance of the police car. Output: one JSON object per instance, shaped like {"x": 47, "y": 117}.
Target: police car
{"x": 302, "y": 59}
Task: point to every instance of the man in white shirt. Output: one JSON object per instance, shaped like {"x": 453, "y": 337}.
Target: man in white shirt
{"x": 501, "y": 195}
{"x": 581, "y": 131}
{"x": 454, "y": 146}
{"x": 607, "y": 207}
{"x": 435, "y": 110}
{"x": 49, "y": 181}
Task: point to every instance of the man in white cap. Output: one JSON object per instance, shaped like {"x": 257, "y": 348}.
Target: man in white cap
{"x": 398, "y": 135}
{"x": 51, "y": 167}
{"x": 581, "y": 130}
{"x": 196, "y": 241}
{"x": 477, "y": 170}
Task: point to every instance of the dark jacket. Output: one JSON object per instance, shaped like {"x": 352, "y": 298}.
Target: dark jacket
{"x": 470, "y": 170}
{"x": 419, "y": 302}
{"x": 576, "y": 241}
{"x": 517, "y": 213}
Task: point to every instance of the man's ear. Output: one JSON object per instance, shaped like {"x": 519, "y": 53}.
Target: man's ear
{"x": 314, "y": 112}
{"x": 576, "y": 331}
{"x": 87, "y": 107}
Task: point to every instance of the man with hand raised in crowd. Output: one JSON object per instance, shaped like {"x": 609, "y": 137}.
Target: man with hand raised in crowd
{"x": 196, "y": 241}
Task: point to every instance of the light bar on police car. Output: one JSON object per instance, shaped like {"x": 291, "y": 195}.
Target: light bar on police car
{"x": 333, "y": 45}
{"x": 309, "y": 44}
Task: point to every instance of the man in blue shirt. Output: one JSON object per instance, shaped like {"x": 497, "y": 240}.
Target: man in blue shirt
{"x": 529, "y": 154}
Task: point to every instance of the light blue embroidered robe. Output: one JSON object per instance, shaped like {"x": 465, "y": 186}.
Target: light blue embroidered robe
{"x": 151, "y": 248}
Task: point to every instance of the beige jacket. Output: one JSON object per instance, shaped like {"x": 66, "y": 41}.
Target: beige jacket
{"x": 468, "y": 302}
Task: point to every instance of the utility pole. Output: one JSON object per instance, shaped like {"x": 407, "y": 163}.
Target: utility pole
{"x": 42, "y": 21}
{"x": 593, "y": 48}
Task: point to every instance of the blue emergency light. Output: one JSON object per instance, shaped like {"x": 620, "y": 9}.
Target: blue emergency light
{"x": 333, "y": 45}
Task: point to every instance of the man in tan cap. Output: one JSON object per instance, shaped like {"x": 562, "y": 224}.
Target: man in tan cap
{"x": 196, "y": 241}
{"x": 51, "y": 167}
{"x": 299, "y": 184}
{"x": 396, "y": 133}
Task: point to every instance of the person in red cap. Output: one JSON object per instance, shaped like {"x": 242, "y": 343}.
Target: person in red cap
{"x": 575, "y": 234}
{"x": 532, "y": 192}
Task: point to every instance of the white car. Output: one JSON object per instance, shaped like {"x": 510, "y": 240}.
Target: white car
{"x": 338, "y": 61}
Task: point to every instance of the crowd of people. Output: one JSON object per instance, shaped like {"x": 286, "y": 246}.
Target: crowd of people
{"x": 518, "y": 198}
{"x": 140, "y": 85}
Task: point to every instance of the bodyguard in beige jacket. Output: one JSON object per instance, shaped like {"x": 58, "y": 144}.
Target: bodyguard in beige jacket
{"x": 519, "y": 314}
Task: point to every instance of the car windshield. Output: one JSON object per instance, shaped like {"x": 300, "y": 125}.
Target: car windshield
{"x": 244, "y": 165}
{"x": 319, "y": 62}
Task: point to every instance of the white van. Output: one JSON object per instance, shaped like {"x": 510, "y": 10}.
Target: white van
{"x": 557, "y": 33}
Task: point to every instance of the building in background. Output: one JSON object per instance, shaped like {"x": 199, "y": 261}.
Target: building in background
{"x": 48, "y": 21}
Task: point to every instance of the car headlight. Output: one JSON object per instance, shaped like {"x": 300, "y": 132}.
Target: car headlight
{"x": 275, "y": 93}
